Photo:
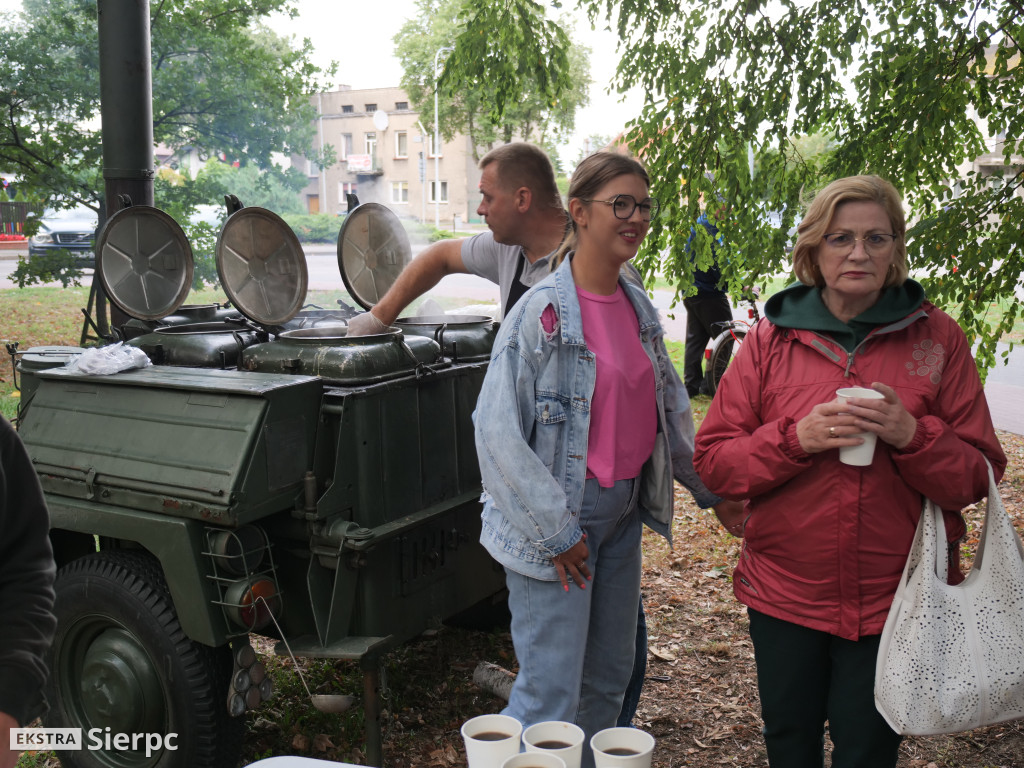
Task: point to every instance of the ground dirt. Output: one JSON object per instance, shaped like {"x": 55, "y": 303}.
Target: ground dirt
{"x": 700, "y": 699}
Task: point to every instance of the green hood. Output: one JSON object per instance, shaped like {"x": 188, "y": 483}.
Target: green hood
{"x": 800, "y": 306}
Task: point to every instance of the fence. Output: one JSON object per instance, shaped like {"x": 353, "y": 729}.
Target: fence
{"x": 13, "y": 215}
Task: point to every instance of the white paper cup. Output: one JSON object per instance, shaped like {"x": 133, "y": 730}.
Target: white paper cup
{"x": 859, "y": 455}
{"x": 491, "y": 739}
{"x": 622, "y": 748}
{"x": 556, "y": 738}
{"x": 534, "y": 760}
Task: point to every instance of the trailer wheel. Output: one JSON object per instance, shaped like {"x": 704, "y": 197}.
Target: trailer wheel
{"x": 121, "y": 664}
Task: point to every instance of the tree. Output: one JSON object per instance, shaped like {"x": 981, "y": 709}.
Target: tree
{"x": 908, "y": 89}
{"x": 474, "y": 105}
{"x": 222, "y": 83}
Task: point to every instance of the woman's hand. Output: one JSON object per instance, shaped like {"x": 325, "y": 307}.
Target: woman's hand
{"x": 887, "y": 418}
{"x": 828, "y": 425}
{"x": 573, "y": 564}
{"x": 834, "y": 424}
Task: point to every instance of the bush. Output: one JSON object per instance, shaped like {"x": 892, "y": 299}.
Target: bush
{"x": 314, "y": 227}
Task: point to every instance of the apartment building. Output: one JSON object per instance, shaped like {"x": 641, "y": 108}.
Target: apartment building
{"x": 386, "y": 155}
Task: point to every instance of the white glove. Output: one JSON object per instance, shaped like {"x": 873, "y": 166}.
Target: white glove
{"x": 366, "y": 324}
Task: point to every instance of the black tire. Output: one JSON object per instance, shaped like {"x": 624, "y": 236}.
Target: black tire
{"x": 120, "y": 660}
{"x": 725, "y": 347}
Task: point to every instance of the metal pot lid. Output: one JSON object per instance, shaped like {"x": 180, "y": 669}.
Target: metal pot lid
{"x": 261, "y": 265}
{"x": 373, "y": 249}
{"x": 144, "y": 262}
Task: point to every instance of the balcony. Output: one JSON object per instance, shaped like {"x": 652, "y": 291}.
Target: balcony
{"x": 364, "y": 165}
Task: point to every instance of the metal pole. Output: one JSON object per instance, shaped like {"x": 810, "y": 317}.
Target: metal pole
{"x": 437, "y": 147}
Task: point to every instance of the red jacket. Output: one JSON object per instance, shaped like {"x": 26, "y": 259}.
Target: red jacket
{"x": 825, "y": 543}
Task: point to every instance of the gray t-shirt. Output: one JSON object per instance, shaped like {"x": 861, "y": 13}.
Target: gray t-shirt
{"x": 498, "y": 263}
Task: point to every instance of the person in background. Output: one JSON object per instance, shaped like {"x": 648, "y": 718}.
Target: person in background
{"x": 27, "y": 571}
{"x": 705, "y": 311}
{"x": 581, "y": 425}
{"x": 526, "y": 222}
{"x": 825, "y": 542}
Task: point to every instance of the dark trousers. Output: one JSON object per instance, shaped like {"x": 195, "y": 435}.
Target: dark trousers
{"x": 806, "y": 677}
{"x": 631, "y": 699}
{"x": 703, "y": 314}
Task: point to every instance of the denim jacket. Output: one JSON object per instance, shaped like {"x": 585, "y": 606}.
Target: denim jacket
{"x": 532, "y": 423}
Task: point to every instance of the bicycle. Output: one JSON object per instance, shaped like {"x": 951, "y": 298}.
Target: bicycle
{"x": 727, "y": 343}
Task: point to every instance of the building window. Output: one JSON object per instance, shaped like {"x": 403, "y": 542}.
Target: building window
{"x": 371, "y": 107}
{"x": 444, "y": 192}
{"x": 436, "y": 146}
{"x": 347, "y": 109}
{"x": 345, "y": 188}
{"x": 402, "y": 144}
{"x": 399, "y": 191}
{"x": 346, "y": 145}
{"x": 401, "y": 106}
{"x": 370, "y": 144}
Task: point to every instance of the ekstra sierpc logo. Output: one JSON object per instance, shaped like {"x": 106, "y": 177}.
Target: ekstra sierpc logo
{"x": 69, "y": 739}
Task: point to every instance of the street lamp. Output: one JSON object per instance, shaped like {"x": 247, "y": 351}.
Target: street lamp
{"x": 437, "y": 146}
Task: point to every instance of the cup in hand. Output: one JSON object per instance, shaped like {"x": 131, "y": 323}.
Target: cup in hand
{"x": 556, "y": 738}
{"x": 534, "y": 760}
{"x": 859, "y": 455}
{"x": 491, "y": 739}
{"x": 622, "y": 748}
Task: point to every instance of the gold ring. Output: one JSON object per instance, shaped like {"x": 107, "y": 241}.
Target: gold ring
{"x": 831, "y": 431}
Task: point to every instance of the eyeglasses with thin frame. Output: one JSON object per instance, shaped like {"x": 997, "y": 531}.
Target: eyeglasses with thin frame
{"x": 624, "y": 205}
{"x": 876, "y": 243}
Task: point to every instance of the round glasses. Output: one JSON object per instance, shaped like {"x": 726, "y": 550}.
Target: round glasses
{"x": 624, "y": 205}
{"x": 877, "y": 243}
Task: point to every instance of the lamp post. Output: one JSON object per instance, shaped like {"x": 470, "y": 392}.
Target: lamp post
{"x": 437, "y": 146}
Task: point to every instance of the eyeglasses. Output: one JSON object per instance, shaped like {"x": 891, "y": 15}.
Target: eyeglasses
{"x": 876, "y": 243}
{"x": 624, "y": 205}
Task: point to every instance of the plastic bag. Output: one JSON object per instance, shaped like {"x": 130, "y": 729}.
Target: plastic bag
{"x": 110, "y": 359}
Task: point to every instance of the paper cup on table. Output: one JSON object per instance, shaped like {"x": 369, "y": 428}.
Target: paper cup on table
{"x": 556, "y": 738}
{"x": 534, "y": 760}
{"x": 622, "y": 748}
{"x": 491, "y": 739}
{"x": 859, "y": 455}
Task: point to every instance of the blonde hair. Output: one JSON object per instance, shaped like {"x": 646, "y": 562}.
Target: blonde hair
{"x": 593, "y": 172}
{"x": 812, "y": 230}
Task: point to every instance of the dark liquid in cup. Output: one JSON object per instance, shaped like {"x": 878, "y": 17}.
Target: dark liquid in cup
{"x": 491, "y": 736}
{"x": 620, "y": 751}
{"x": 552, "y": 744}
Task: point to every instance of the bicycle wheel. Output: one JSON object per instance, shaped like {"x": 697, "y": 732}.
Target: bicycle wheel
{"x": 725, "y": 347}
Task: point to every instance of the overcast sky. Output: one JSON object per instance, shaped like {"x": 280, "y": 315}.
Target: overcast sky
{"x": 359, "y": 35}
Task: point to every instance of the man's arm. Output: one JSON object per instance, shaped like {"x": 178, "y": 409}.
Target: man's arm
{"x": 422, "y": 274}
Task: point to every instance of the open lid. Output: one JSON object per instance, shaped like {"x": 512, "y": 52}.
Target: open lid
{"x": 144, "y": 262}
{"x": 261, "y": 265}
{"x": 373, "y": 249}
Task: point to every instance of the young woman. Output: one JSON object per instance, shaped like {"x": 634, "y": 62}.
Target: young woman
{"x": 580, "y": 426}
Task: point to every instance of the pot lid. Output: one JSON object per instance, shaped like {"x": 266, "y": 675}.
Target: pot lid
{"x": 373, "y": 249}
{"x": 144, "y": 262}
{"x": 261, "y": 265}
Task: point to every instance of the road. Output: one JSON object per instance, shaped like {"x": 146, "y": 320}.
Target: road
{"x": 1004, "y": 387}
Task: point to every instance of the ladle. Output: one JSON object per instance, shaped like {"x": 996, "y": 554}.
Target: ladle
{"x": 331, "y": 703}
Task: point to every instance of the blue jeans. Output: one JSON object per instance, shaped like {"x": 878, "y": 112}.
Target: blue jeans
{"x": 576, "y": 649}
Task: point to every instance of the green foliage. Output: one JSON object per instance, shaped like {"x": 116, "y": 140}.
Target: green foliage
{"x": 222, "y": 83}
{"x": 495, "y": 85}
{"x": 906, "y": 89}
{"x": 315, "y": 227}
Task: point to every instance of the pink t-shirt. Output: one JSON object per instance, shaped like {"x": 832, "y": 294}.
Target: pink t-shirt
{"x": 623, "y": 414}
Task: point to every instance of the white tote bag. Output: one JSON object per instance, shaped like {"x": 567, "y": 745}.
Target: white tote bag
{"x": 952, "y": 657}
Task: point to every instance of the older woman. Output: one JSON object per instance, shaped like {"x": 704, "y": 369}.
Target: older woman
{"x": 825, "y": 542}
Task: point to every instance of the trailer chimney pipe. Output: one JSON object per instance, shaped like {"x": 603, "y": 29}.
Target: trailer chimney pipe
{"x": 126, "y": 101}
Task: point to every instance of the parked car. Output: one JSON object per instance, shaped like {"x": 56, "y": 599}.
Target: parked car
{"x": 71, "y": 229}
